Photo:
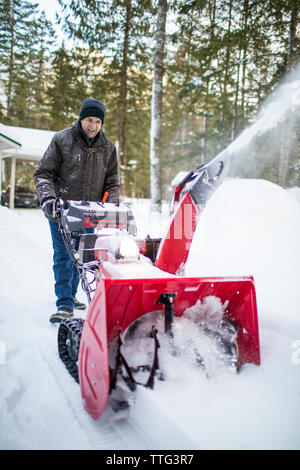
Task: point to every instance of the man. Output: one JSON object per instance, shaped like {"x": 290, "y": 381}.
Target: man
{"x": 79, "y": 164}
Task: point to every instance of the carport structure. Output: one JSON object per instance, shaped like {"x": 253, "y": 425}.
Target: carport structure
{"x": 21, "y": 144}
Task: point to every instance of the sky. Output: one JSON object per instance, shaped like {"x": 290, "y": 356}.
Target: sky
{"x": 50, "y": 8}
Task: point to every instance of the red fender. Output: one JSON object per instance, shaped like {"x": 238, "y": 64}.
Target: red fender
{"x": 118, "y": 302}
{"x": 175, "y": 246}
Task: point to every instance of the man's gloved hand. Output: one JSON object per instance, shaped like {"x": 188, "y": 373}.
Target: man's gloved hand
{"x": 48, "y": 208}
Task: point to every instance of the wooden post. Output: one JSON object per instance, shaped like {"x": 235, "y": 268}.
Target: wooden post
{"x": 12, "y": 183}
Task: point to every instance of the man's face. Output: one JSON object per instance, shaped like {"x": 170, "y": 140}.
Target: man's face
{"x": 91, "y": 126}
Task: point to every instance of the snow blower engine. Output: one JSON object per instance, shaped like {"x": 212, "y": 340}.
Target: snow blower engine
{"x": 140, "y": 302}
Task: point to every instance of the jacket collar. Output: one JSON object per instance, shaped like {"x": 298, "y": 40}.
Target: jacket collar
{"x": 97, "y": 141}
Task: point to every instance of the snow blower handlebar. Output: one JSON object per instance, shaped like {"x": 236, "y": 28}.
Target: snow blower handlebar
{"x": 71, "y": 242}
{"x": 81, "y": 223}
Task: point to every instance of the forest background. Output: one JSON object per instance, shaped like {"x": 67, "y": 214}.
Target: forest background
{"x": 192, "y": 75}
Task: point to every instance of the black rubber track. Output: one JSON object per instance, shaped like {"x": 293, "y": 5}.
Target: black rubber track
{"x": 68, "y": 338}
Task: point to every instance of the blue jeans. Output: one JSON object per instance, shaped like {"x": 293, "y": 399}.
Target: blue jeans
{"x": 65, "y": 273}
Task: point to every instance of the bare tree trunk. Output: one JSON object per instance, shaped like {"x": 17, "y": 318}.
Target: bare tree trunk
{"x": 11, "y": 61}
{"x": 293, "y": 26}
{"x": 204, "y": 133}
{"x": 122, "y": 111}
{"x": 234, "y": 127}
{"x": 205, "y": 116}
{"x": 156, "y": 111}
{"x": 228, "y": 50}
{"x": 205, "y": 124}
{"x": 284, "y": 152}
{"x": 244, "y": 59}
{"x": 286, "y": 134}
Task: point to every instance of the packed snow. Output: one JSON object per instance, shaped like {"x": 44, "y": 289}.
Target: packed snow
{"x": 249, "y": 227}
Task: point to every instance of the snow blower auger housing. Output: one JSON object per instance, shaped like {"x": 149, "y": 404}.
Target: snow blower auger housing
{"x": 139, "y": 289}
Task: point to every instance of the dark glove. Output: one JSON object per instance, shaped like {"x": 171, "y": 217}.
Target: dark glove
{"x": 48, "y": 208}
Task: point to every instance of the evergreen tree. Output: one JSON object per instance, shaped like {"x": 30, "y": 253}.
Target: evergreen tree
{"x": 117, "y": 31}
{"x": 223, "y": 59}
{"x": 25, "y": 39}
{"x": 30, "y": 106}
{"x": 17, "y": 29}
{"x": 226, "y": 57}
{"x": 67, "y": 88}
{"x": 45, "y": 40}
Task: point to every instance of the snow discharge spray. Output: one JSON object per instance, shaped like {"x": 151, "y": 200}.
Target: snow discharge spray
{"x": 262, "y": 150}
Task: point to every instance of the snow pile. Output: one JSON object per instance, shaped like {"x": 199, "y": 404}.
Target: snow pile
{"x": 295, "y": 192}
{"x": 250, "y": 227}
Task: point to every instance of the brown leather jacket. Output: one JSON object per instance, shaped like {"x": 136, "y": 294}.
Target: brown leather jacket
{"x": 73, "y": 169}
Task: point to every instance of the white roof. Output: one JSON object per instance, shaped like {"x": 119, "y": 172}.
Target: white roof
{"x": 7, "y": 142}
{"x": 24, "y": 143}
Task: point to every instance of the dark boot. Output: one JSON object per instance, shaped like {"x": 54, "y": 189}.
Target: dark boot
{"x": 79, "y": 305}
{"x": 61, "y": 314}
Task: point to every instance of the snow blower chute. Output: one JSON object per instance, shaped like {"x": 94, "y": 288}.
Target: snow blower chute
{"x": 137, "y": 290}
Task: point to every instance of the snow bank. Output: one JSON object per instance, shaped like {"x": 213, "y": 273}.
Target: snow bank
{"x": 295, "y": 192}
{"x": 252, "y": 227}
{"x": 249, "y": 227}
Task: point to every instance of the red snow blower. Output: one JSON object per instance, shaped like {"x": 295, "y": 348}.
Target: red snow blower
{"x": 140, "y": 301}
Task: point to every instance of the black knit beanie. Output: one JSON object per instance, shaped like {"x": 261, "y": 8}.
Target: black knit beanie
{"x": 92, "y": 108}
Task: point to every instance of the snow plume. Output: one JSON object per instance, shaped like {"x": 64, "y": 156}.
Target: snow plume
{"x": 256, "y": 151}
